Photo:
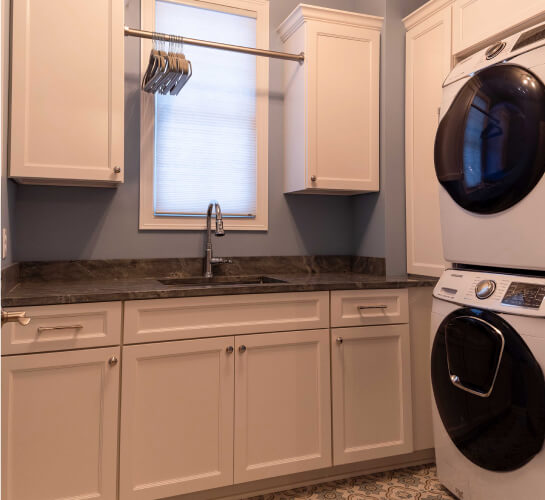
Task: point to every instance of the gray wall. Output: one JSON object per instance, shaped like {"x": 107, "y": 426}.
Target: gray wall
{"x": 91, "y": 223}
{"x": 379, "y": 219}
{"x": 51, "y": 223}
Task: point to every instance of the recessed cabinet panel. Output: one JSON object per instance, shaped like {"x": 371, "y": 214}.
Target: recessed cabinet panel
{"x": 428, "y": 64}
{"x": 193, "y": 317}
{"x": 369, "y": 307}
{"x": 479, "y": 20}
{"x": 59, "y": 425}
{"x": 371, "y": 387}
{"x": 67, "y": 92}
{"x": 177, "y": 418}
{"x": 282, "y": 408}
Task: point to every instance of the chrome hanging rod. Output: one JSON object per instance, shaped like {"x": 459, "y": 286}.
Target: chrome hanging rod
{"x": 152, "y": 35}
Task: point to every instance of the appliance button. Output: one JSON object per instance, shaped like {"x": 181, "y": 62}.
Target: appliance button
{"x": 494, "y": 50}
{"x": 485, "y": 289}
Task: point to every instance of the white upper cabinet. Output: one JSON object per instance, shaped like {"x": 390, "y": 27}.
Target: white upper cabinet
{"x": 475, "y": 21}
{"x": 428, "y": 45}
{"x": 67, "y": 92}
{"x": 331, "y": 113}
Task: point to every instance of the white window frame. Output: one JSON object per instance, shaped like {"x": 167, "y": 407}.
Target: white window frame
{"x": 258, "y": 9}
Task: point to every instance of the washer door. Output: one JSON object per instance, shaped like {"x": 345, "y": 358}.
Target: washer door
{"x": 490, "y": 146}
{"x": 489, "y": 390}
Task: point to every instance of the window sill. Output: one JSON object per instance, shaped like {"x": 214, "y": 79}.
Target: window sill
{"x": 155, "y": 223}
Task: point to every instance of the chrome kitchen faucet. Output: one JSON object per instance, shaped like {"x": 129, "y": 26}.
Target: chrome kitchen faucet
{"x": 209, "y": 257}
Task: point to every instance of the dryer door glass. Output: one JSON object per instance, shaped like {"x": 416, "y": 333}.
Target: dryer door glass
{"x": 490, "y": 145}
{"x": 489, "y": 390}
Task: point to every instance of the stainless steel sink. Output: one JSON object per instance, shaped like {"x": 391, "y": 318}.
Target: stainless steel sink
{"x": 220, "y": 281}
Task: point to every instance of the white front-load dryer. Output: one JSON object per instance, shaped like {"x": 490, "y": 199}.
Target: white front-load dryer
{"x": 490, "y": 156}
{"x": 487, "y": 363}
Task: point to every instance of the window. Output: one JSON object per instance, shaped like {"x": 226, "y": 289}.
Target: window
{"x": 210, "y": 141}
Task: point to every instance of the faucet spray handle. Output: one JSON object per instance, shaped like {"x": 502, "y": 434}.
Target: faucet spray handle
{"x": 219, "y": 220}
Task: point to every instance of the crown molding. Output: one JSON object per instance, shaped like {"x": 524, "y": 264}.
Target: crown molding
{"x": 426, "y": 11}
{"x": 303, "y": 13}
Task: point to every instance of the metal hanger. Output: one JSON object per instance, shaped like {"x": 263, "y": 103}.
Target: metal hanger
{"x": 185, "y": 72}
{"x": 168, "y": 70}
{"x": 153, "y": 65}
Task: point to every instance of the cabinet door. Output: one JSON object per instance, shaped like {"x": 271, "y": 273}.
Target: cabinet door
{"x": 67, "y": 91}
{"x": 479, "y": 20}
{"x": 343, "y": 106}
{"x": 176, "y": 418}
{"x": 371, "y": 387}
{"x": 428, "y": 64}
{"x": 282, "y": 404}
{"x": 59, "y": 425}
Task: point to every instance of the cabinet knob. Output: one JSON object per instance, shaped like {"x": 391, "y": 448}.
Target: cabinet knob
{"x": 339, "y": 340}
{"x": 242, "y": 349}
{"x": 313, "y": 178}
{"x": 117, "y": 170}
{"x": 229, "y": 349}
{"x": 112, "y": 361}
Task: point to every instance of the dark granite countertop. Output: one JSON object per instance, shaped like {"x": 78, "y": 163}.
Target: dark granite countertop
{"x": 42, "y": 292}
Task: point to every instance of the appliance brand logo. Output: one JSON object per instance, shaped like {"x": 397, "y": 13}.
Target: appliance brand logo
{"x": 457, "y": 275}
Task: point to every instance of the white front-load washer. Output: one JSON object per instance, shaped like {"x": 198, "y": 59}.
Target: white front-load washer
{"x": 490, "y": 156}
{"x": 487, "y": 363}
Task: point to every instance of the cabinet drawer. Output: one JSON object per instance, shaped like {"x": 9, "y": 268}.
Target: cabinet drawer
{"x": 369, "y": 307}
{"x": 193, "y": 317}
{"x": 67, "y": 326}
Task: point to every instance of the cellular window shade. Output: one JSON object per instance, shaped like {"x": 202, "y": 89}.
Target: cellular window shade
{"x": 205, "y": 138}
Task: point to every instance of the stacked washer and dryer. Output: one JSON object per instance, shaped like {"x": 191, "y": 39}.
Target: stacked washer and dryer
{"x": 488, "y": 316}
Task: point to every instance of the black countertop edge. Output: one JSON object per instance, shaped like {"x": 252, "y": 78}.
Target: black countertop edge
{"x": 73, "y": 292}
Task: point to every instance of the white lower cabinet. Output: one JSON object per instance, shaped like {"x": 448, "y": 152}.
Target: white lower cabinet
{"x": 205, "y": 413}
{"x": 59, "y": 425}
{"x": 176, "y": 418}
{"x": 179, "y": 399}
{"x": 371, "y": 387}
{"x": 282, "y": 404}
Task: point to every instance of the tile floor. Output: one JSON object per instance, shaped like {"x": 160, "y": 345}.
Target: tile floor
{"x": 412, "y": 483}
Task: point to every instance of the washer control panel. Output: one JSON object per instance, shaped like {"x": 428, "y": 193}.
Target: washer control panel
{"x": 497, "y": 292}
{"x": 485, "y": 289}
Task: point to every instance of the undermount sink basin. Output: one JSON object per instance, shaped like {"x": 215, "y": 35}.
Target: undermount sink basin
{"x": 220, "y": 281}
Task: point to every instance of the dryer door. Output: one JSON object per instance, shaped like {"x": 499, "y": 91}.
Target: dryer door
{"x": 489, "y": 390}
{"x": 490, "y": 145}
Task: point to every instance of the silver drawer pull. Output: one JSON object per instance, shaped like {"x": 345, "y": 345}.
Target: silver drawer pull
{"x": 67, "y": 327}
{"x": 378, "y": 306}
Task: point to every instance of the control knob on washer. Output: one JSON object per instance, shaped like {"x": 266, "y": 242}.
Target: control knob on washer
{"x": 485, "y": 289}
